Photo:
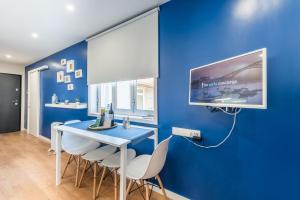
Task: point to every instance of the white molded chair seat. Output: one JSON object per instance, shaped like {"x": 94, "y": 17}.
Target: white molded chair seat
{"x": 137, "y": 167}
{"x": 93, "y": 157}
{"x": 145, "y": 167}
{"x": 113, "y": 161}
{"x": 77, "y": 145}
{"x": 83, "y": 148}
{"x": 100, "y": 153}
{"x": 71, "y": 141}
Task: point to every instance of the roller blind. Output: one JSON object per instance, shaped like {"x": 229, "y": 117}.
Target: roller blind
{"x": 127, "y": 52}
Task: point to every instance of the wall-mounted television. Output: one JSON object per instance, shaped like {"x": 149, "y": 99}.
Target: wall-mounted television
{"x": 240, "y": 82}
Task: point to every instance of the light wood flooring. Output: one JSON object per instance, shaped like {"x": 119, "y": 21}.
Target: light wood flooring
{"x": 27, "y": 171}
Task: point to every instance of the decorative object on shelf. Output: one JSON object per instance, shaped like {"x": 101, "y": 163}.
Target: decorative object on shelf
{"x": 78, "y": 73}
{"x": 70, "y": 66}
{"x": 126, "y": 122}
{"x": 77, "y": 101}
{"x": 68, "y": 79}
{"x": 66, "y": 101}
{"x": 71, "y": 86}
{"x": 63, "y": 61}
{"x": 60, "y": 77}
{"x": 54, "y": 99}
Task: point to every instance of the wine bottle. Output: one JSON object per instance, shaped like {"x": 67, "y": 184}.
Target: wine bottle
{"x": 97, "y": 124}
{"x": 111, "y": 116}
{"x": 102, "y": 119}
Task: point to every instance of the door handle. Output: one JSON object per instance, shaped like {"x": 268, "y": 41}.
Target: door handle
{"x": 15, "y": 102}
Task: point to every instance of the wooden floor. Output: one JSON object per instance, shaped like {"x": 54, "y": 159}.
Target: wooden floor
{"x": 27, "y": 171}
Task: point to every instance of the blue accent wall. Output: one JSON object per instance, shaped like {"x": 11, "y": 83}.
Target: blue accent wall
{"x": 261, "y": 159}
{"x": 49, "y": 86}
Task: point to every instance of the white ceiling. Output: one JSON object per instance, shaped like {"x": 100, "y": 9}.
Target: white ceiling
{"x": 57, "y": 27}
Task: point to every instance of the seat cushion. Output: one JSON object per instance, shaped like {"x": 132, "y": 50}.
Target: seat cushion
{"x": 100, "y": 153}
{"x": 113, "y": 161}
{"x": 137, "y": 167}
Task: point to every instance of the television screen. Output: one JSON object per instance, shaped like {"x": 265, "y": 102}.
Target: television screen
{"x": 235, "y": 82}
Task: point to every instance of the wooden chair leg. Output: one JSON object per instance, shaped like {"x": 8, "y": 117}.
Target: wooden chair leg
{"x": 129, "y": 187}
{"x": 101, "y": 179}
{"x": 95, "y": 178}
{"x": 116, "y": 184}
{"x": 68, "y": 163}
{"x": 77, "y": 170}
{"x": 83, "y": 173}
{"x": 99, "y": 168}
{"x": 142, "y": 183}
{"x": 147, "y": 192}
{"x": 162, "y": 187}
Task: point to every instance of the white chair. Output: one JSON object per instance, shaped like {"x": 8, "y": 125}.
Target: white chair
{"x": 76, "y": 146}
{"x": 145, "y": 167}
{"x": 92, "y": 158}
{"x": 112, "y": 163}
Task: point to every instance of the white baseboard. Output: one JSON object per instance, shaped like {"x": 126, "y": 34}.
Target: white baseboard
{"x": 45, "y": 139}
{"x": 170, "y": 194}
{"x": 40, "y": 136}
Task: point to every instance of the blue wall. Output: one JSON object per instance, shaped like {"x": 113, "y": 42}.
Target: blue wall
{"x": 49, "y": 86}
{"x": 261, "y": 159}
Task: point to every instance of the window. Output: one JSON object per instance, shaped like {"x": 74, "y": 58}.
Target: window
{"x": 105, "y": 94}
{"x": 145, "y": 94}
{"x": 135, "y": 98}
{"x": 123, "y": 95}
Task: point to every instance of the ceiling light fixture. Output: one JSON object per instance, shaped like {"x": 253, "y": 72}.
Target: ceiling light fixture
{"x": 8, "y": 56}
{"x": 70, "y": 7}
{"x": 34, "y": 35}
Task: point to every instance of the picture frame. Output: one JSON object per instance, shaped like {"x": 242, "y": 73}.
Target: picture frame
{"x": 63, "y": 61}
{"x": 78, "y": 73}
{"x": 70, "y": 87}
{"x": 68, "y": 79}
{"x": 60, "y": 77}
{"x": 70, "y": 66}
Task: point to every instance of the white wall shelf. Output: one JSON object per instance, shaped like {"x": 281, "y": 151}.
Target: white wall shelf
{"x": 67, "y": 106}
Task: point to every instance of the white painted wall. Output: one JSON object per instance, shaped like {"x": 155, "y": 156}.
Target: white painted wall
{"x": 20, "y": 70}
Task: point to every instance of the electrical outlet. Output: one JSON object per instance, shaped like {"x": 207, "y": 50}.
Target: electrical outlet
{"x": 186, "y": 132}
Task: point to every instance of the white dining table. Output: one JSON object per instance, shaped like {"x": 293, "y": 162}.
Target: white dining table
{"x": 117, "y": 137}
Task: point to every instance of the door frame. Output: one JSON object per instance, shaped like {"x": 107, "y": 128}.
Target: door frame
{"x": 38, "y": 70}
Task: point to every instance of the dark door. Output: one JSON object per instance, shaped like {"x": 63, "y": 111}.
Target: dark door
{"x": 10, "y": 102}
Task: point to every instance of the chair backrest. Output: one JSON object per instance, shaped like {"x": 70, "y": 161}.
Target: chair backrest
{"x": 158, "y": 159}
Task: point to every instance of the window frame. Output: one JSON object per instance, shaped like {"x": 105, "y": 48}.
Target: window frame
{"x": 136, "y": 115}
